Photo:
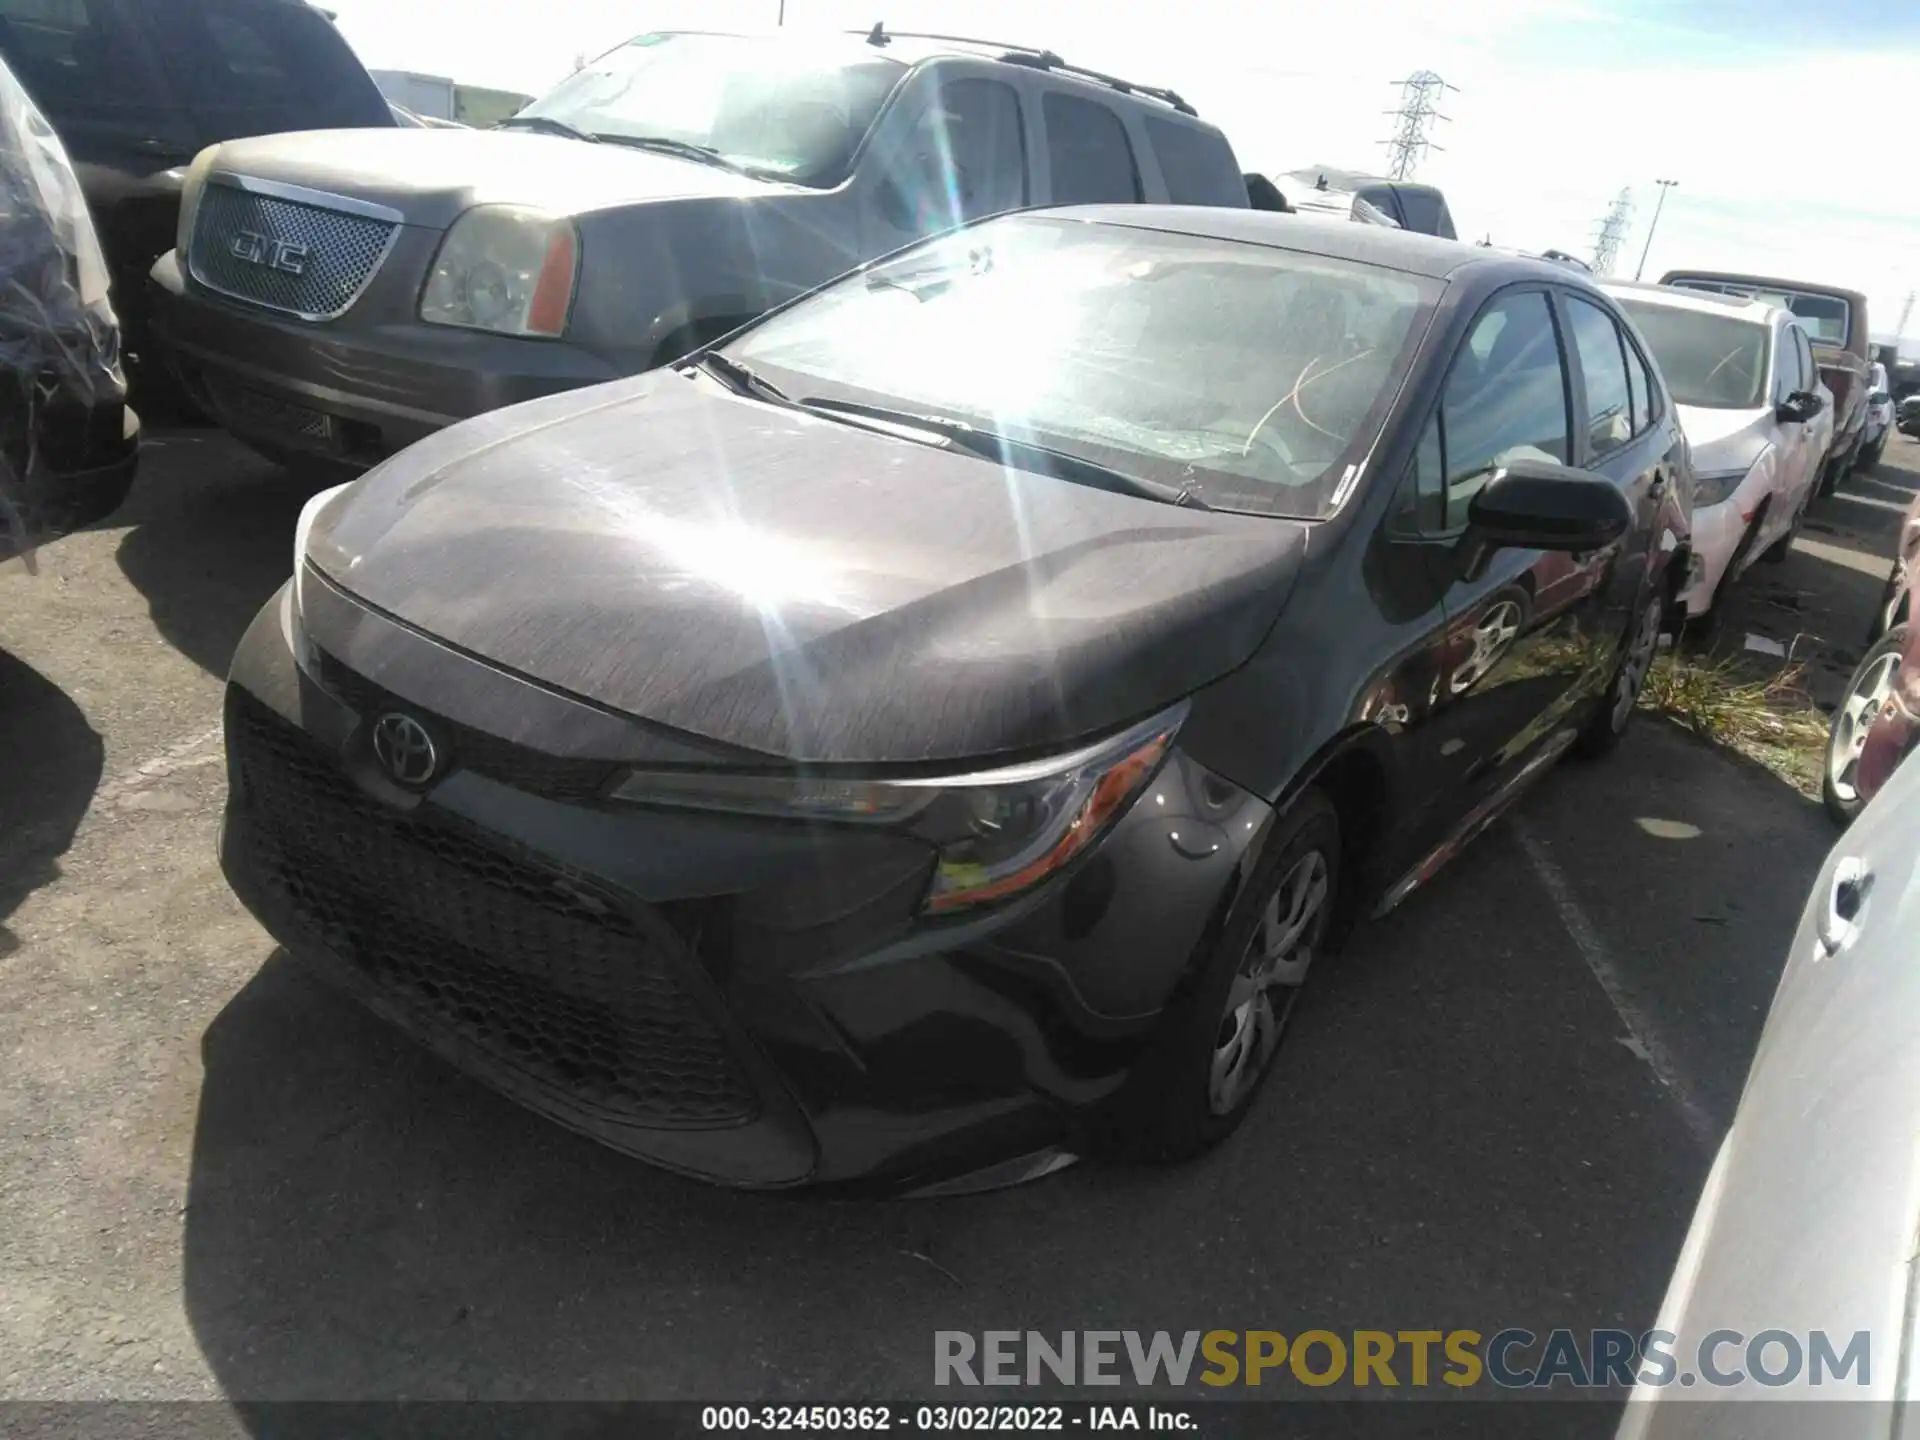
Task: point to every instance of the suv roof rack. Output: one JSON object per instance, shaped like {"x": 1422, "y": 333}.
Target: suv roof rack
{"x": 880, "y": 37}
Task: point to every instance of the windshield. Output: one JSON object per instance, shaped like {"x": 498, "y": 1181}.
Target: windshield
{"x": 1252, "y": 377}
{"x": 1714, "y": 362}
{"x": 783, "y": 107}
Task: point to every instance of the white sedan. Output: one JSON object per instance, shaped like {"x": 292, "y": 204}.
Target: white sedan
{"x": 1756, "y": 416}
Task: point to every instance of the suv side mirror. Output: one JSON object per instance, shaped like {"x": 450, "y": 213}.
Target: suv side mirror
{"x": 1538, "y": 505}
{"x": 1799, "y": 407}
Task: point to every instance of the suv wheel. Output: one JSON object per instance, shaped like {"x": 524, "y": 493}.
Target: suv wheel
{"x": 1217, "y": 1045}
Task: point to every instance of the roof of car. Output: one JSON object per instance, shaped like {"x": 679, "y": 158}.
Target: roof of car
{"x": 1701, "y": 302}
{"x": 1769, "y": 282}
{"x": 1390, "y": 248}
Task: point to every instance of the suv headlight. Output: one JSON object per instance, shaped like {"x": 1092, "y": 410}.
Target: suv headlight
{"x": 191, "y": 189}
{"x": 504, "y": 268}
{"x": 997, "y": 832}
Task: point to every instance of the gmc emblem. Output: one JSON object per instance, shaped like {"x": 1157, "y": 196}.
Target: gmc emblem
{"x": 257, "y": 249}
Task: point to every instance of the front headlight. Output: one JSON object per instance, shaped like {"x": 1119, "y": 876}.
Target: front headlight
{"x": 302, "y": 529}
{"x": 997, "y": 832}
{"x": 1715, "y": 486}
{"x": 504, "y": 268}
{"x": 191, "y": 189}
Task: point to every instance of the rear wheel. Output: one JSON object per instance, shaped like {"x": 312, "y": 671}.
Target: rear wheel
{"x": 1866, "y": 694}
{"x": 1607, "y": 725}
{"x": 1217, "y": 1045}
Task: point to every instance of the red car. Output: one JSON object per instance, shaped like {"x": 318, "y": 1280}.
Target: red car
{"x": 1879, "y": 721}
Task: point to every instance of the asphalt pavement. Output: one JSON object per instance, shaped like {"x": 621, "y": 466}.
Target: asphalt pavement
{"x": 220, "y": 1180}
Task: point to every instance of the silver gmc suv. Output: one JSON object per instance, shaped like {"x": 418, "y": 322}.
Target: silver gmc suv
{"x": 336, "y": 295}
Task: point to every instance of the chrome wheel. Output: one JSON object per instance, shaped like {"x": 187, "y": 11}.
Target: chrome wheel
{"x": 1268, "y": 981}
{"x": 1852, "y": 723}
{"x": 1634, "y": 666}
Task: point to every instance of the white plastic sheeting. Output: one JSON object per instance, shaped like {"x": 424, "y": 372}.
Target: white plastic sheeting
{"x": 59, "y": 340}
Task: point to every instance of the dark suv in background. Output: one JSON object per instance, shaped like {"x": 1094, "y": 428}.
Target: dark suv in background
{"x": 136, "y": 88}
{"x": 337, "y": 297}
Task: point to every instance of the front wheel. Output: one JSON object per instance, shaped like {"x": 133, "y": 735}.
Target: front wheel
{"x": 1216, "y": 1047}
{"x": 1607, "y": 725}
{"x": 1870, "y": 456}
{"x": 1866, "y": 695}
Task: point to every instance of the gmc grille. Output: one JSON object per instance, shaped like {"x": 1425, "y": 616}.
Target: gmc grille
{"x": 300, "y": 259}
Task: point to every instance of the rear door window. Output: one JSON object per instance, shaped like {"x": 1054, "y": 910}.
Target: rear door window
{"x": 79, "y": 59}
{"x": 1088, "y": 152}
{"x": 244, "y": 67}
{"x": 1603, "y": 365}
{"x": 1198, "y": 167}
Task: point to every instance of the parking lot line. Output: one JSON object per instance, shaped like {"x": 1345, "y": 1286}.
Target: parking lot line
{"x": 1642, "y": 1038}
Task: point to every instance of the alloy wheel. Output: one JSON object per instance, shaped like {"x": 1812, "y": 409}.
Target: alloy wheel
{"x": 1268, "y": 981}
{"x": 1636, "y": 664}
{"x": 1852, "y": 724}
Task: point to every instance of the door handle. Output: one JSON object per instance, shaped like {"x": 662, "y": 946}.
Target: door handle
{"x": 1838, "y": 924}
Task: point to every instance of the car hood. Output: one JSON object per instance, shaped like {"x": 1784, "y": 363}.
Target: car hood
{"x": 432, "y": 176}
{"x": 798, "y": 587}
{"x": 1725, "y": 439}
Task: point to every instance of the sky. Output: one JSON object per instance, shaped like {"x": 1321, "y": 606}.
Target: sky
{"x": 1780, "y": 120}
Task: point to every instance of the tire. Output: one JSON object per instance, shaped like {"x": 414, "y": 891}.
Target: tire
{"x": 1866, "y": 691}
{"x": 1607, "y": 725}
{"x": 1870, "y": 456}
{"x": 1211, "y": 1058}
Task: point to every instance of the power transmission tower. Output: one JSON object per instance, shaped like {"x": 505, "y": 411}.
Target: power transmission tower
{"x": 1414, "y": 120}
{"x": 1906, "y": 314}
{"x": 1612, "y": 233}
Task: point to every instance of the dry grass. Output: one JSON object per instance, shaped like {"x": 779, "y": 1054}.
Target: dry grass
{"x": 1770, "y": 719}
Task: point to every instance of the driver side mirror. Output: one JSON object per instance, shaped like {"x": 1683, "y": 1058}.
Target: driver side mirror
{"x": 1799, "y": 407}
{"x": 1539, "y": 505}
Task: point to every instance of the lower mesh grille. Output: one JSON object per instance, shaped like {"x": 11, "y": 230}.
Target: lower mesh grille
{"x": 520, "y": 962}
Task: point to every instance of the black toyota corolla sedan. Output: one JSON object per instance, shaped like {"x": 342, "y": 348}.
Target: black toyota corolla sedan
{"x": 936, "y": 731}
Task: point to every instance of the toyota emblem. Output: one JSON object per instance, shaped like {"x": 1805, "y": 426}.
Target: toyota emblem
{"x": 404, "y": 749}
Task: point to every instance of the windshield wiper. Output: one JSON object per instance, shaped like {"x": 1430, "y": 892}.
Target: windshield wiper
{"x": 1003, "y": 449}
{"x": 685, "y": 149}
{"x": 548, "y": 124}
{"x": 741, "y": 379}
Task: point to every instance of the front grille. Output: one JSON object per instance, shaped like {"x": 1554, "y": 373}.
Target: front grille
{"x": 238, "y": 236}
{"x": 521, "y": 962}
{"x": 258, "y": 411}
{"x": 557, "y": 777}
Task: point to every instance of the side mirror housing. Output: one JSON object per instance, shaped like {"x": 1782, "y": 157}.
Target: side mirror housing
{"x": 1538, "y": 505}
{"x": 1799, "y": 407}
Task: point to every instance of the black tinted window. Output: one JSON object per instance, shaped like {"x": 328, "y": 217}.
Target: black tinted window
{"x": 964, "y": 158}
{"x": 1197, "y": 165}
{"x": 1424, "y": 209}
{"x": 242, "y": 64}
{"x": 1603, "y": 363}
{"x": 1505, "y": 398}
{"x": 76, "y": 58}
{"x": 1087, "y": 150}
{"x": 1645, "y": 389}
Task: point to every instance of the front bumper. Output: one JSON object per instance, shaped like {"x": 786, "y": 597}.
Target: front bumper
{"x": 1717, "y": 534}
{"x": 750, "y": 1002}
{"x": 347, "y": 393}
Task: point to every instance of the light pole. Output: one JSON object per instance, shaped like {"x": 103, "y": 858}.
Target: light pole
{"x": 783, "y": 13}
{"x": 1652, "y": 225}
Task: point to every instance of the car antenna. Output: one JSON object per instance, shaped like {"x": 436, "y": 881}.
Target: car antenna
{"x": 878, "y": 35}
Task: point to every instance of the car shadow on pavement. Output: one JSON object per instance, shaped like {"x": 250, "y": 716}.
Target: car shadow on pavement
{"x": 211, "y": 539}
{"x": 54, "y": 759}
{"x": 1462, "y": 1131}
